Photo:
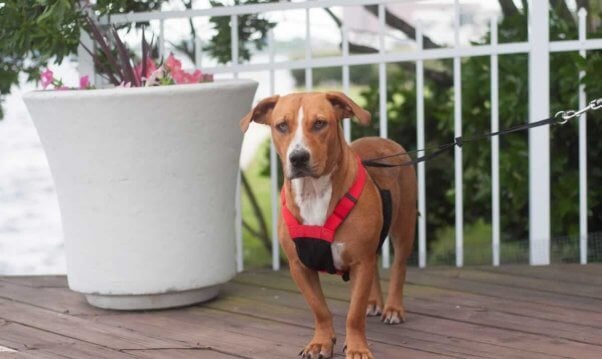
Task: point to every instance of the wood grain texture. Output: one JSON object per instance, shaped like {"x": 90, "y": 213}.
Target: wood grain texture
{"x": 481, "y": 312}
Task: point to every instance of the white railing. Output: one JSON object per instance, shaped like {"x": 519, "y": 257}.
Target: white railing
{"x": 538, "y": 47}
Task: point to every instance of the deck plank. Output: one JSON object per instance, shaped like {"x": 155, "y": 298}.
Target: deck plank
{"x": 85, "y": 330}
{"x": 590, "y": 274}
{"x": 517, "y": 311}
{"x": 31, "y": 342}
{"x": 37, "y": 281}
{"x": 426, "y": 278}
{"x": 57, "y": 299}
{"x": 179, "y": 354}
{"x": 556, "y": 286}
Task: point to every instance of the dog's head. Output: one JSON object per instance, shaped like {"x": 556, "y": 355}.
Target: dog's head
{"x": 306, "y": 129}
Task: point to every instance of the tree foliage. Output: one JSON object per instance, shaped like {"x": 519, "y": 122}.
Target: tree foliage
{"x": 252, "y": 33}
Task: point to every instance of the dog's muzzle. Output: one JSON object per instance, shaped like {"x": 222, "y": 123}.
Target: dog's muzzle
{"x": 299, "y": 164}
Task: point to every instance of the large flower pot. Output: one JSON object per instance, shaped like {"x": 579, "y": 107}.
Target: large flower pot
{"x": 146, "y": 180}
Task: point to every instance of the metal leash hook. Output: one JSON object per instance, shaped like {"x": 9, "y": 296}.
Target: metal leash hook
{"x": 563, "y": 117}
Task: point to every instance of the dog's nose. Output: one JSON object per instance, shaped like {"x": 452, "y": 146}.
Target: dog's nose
{"x": 299, "y": 158}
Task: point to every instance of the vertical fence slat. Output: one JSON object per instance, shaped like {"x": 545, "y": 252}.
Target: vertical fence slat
{"x": 234, "y": 41}
{"x": 582, "y": 150}
{"x": 309, "y": 82}
{"x": 345, "y": 42}
{"x": 495, "y": 150}
{"x": 382, "y": 94}
{"x": 162, "y": 38}
{"x": 239, "y": 243}
{"x": 273, "y": 168}
{"x": 85, "y": 62}
{"x": 539, "y": 138}
{"x": 198, "y": 52}
{"x": 238, "y": 226}
{"x": 420, "y": 143}
{"x": 458, "y": 150}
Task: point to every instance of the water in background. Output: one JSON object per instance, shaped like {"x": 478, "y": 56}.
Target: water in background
{"x": 30, "y": 230}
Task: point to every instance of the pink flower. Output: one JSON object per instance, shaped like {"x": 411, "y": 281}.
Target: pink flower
{"x": 84, "y": 82}
{"x": 178, "y": 76}
{"x": 172, "y": 64}
{"x": 46, "y": 78}
{"x": 183, "y": 77}
{"x": 196, "y": 76}
{"x": 150, "y": 68}
{"x": 155, "y": 77}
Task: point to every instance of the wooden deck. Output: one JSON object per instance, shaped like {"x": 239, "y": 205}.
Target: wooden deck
{"x": 510, "y": 312}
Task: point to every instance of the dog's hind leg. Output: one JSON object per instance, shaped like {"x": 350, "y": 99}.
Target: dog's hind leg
{"x": 402, "y": 232}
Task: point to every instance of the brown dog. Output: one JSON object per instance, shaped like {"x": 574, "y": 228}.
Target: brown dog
{"x": 319, "y": 168}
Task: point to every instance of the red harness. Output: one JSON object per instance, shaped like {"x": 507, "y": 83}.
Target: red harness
{"x": 313, "y": 242}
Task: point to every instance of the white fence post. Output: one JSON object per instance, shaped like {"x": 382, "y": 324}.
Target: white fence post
{"x": 273, "y": 167}
{"x": 234, "y": 41}
{"x": 162, "y": 38}
{"x": 309, "y": 80}
{"x": 382, "y": 98}
{"x": 582, "y": 149}
{"x": 495, "y": 150}
{"x": 346, "y": 78}
{"x": 85, "y": 62}
{"x": 420, "y": 143}
{"x": 458, "y": 170}
{"x": 539, "y": 138}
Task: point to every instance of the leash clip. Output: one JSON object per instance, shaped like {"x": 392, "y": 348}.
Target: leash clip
{"x": 596, "y": 104}
{"x": 563, "y": 117}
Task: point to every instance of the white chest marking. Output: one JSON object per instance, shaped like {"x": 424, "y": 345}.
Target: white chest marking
{"x": 312, "y": 196}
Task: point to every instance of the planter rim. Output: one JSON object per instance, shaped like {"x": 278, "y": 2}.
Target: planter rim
{"x": 133, "y": 91}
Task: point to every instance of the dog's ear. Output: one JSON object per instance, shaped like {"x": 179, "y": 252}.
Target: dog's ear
{"x": 260, "y": 113}
{"x": 346, "y": 108}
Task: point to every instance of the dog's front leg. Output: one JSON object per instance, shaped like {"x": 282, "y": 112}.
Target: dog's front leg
{"x": 356, "y": 344}
{"x": 308, "y": 281}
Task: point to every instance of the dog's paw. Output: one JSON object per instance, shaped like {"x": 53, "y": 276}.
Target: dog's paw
{"x": 393, "y": 315}
{"x": 318, "y": 349}
{"x": 374, "y": 309}
{"x": 357, "y": 352}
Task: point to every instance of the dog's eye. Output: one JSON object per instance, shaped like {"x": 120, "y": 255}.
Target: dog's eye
{"x": 319, "y": 124}
{"x": 282, "y": 127}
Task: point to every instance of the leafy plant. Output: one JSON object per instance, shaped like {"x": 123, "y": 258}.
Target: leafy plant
{"x": 31, "y": 33}
{"x": 34, "y": 33}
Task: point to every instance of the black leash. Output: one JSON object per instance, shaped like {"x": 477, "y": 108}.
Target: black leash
{"x": 560, "y": 118}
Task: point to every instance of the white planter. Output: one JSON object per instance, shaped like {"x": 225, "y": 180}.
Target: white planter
{"x": 146, "y": 182}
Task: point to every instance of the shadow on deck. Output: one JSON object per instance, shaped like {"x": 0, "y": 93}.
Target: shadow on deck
{"x": 484, "y": 312}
